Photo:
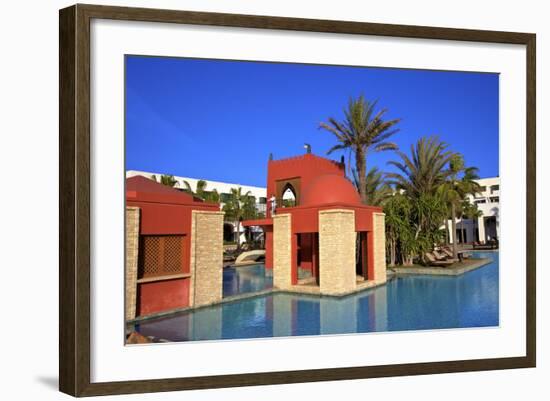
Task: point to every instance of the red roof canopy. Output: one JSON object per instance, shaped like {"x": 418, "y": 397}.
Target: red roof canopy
{"x": 139, "y": 188}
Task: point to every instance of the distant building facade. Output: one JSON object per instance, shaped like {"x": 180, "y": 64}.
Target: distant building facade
{"x": 487, "y": 226}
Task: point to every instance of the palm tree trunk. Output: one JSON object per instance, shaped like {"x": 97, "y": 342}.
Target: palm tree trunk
{"x": 392, "y": 252}
{"x": 453, "y": 230}
{"x": 361, "y": 167}
{"x": 460, "y": 228}
{"x": 447, "y": 230}
{"x": 237, "y": 224}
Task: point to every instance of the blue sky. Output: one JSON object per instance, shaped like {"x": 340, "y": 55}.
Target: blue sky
{"x": 219, "y": 120}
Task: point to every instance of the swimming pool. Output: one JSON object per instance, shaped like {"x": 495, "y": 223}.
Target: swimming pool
{"x": 404, "y": 303}
{"x": 246, "y": 279}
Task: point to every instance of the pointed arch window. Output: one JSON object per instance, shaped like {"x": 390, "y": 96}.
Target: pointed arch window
{"x": 289, "y": 196}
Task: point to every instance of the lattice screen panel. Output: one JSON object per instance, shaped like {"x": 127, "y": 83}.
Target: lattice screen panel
{"x": 160, "y": 255}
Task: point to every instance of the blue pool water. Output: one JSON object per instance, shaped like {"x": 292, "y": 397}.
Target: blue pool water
{"x": 404, "y": 303}
{"x": 246, "y": 279}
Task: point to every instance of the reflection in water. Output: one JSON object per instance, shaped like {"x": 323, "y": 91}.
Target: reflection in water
{"x": 405, "y": 303}
{"x": 246, "y": 279}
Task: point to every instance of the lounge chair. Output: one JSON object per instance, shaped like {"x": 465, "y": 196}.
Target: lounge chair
{"x": 434, "y": 262}
{"x": 447, "y": 252}
{"x": 441, "y": 256}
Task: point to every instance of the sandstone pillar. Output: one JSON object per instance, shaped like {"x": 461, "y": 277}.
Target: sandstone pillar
{"x": 282, "y": 251}
{"x": 379, "y": 232}
{"x": 337, "y": 251}
{"x": 206, "y": 257}
{"x": 132, "y": 250}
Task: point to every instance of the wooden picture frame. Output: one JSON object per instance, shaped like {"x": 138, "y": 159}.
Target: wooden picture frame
{"x": 74, "y": 199}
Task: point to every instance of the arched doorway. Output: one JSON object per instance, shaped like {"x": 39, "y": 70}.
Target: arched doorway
{"x": 228, "y": 232}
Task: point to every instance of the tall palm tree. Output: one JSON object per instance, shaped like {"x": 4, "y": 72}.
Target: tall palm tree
{"x": 235, "y": 208}
{"x": 425, "y": 170}
{"x": 460, "y": 183}
{"x": 377, "y": 190}
{"x": 418, "y": 178}
{"x": 361, "y": 132}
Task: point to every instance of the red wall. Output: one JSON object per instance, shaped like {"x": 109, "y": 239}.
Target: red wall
{"x": 307, "y": 167}
{"x": 163, "y": 295}
{"x": 306, "y": 251}
{"x": 164, "y": 211}
{"x": 168, "y": 219}
{"x": 268, "y": 232}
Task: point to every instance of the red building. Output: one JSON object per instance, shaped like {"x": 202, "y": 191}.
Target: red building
{"x": 305, "y": 188}
{"x": 163, "y": 245}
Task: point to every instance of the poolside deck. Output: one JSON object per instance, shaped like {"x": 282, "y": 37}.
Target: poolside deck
{"x": 453, "y": 270}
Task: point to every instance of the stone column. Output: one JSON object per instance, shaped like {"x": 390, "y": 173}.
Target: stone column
{"x": 379, "y": 232}
{"x": 481, "y": 228}
{"x": 132, "y": 250}
{"x": 206, "y": 257}
{"x": 337, "y": 251}
{"x": 282, "y": 251}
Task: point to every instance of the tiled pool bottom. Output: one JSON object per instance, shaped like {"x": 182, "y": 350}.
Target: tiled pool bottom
{"x": 404, "y": 303}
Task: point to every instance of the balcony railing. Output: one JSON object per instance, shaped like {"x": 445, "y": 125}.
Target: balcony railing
{"x": 281, "y": 203}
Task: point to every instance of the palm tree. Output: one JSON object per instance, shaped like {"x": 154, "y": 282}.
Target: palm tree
{"x": 456, "y": 188}
{"x": 235, "y": 208}
{"x": 200, "y": 187}
{"x": 167, "y": 180}
{"x": 377, "y": 190}
{"x": 398, "y": 229}
{"x": 362, "y": 131}
{"x": 417, "y": 180}
{"x": 420, "y": 176}
{"x": 425, "y": 170}
{"x": 201, "y": 192}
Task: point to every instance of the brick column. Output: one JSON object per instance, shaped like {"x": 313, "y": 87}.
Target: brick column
{"x": 132, "y": 245}
{"x": 337, "y": 251}
{"x": 206, "y": 257}
{"x": 379, "y": 233}
{"x": 282, "y": 251}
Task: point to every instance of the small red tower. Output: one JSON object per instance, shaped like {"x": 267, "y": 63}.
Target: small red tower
{"x": 303, "y": 187}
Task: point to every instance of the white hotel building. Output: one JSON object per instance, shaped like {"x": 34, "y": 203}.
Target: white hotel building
{"x": 487, "y": 226}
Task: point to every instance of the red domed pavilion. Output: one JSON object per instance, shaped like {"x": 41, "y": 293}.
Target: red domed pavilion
{"x": 316, "y": 223}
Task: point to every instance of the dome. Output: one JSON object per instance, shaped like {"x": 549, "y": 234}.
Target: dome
{"x": 329, "y": 188}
